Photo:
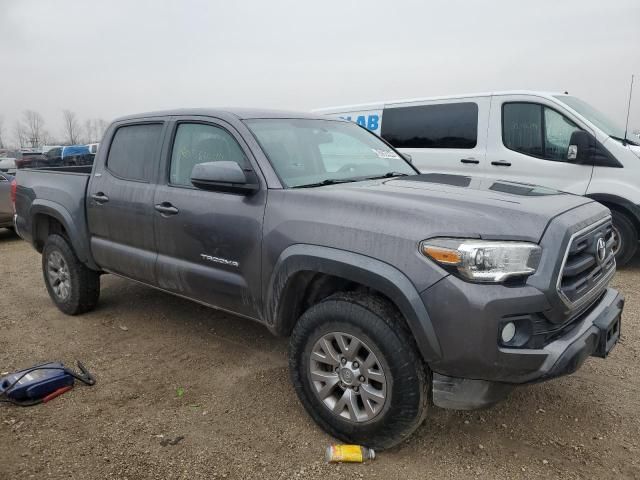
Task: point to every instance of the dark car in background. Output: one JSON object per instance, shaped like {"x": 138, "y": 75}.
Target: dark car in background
{"x": 31, "y": 160}
{"x": 6, "y": 206}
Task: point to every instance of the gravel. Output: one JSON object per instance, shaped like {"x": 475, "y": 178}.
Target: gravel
{"x": 187, "y": 392}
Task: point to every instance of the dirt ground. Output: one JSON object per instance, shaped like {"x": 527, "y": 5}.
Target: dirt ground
{"x": 239, "y": 415}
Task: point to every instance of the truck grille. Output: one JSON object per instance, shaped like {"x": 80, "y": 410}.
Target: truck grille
{"x": 587, "y": 265}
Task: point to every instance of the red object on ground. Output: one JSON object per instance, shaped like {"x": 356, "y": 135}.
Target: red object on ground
{"x": 57, "y": 393}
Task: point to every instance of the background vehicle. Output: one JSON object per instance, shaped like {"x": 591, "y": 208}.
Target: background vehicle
{"x": 549, "y": 139}
{"x": 31, "y": 159}
{"x": 69, "y": 155}
{"x": 8, "y": 165}
{"x": 6, "y": 206}
{"x": 394, "y": 287}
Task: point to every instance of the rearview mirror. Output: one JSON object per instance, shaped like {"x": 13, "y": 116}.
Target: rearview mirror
{"x": 223, "y": 176}
{"x": 580, "y": 147}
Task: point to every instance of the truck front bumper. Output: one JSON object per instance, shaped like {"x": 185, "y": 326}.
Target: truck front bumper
{"x": 478, "y": 371}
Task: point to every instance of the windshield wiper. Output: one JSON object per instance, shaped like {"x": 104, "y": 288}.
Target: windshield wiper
{"x": 388, "y": 175}
{"x": 624, "y": 140}
{"x": 328, "y": 181}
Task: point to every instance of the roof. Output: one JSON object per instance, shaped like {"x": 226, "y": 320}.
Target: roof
{"x": 380, "y": 104}
{"x": 237, "y": 113}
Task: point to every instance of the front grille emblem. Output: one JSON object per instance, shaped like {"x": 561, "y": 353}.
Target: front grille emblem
{"x": 601, "y": 250}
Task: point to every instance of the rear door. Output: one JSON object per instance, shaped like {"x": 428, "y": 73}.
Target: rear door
{"x": 209, "y": 243}
{"x": 528, "y": 142}
{"x": 444, "y": 136}
{"x": 120, "y": 200}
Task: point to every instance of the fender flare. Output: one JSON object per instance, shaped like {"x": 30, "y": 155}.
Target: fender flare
{"x": 623, "y": 203}
{"x": 358, "y": 268}
{"x": 62, "y": 215}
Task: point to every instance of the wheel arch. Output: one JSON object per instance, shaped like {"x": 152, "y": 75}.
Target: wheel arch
{"x": 50, "y": 217}
{"x": 299, "y": 266}
{"x": 620, "y": 204}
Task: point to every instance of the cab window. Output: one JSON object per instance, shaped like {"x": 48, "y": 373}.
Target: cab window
{"x": 199, "y": 143}
{"x": 536, "y": 130}
{"x": 133, "y": 151}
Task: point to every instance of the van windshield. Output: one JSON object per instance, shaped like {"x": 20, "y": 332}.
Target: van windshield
{"x": 312, "y": 153}
{"x": 594, "y": 116}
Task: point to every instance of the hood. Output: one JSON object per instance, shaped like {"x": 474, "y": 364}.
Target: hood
{"x": 433, "y": 205}
{"x": 635, "y": 149}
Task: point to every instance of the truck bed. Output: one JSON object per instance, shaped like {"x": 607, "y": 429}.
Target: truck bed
{"x": 56, "y": 191}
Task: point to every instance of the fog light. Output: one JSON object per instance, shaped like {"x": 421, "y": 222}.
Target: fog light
{"x": 508, "y": 332}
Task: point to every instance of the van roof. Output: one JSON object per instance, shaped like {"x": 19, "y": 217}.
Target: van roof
{"x": 375, "y": 105}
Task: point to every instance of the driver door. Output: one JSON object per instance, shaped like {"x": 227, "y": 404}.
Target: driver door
{"x": 209, "y": 242}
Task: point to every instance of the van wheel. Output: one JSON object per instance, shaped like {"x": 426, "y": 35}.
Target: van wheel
{"x": 357, "y": 371}
{"x": 72, "y": 286}
{"x": 625, "y": 238}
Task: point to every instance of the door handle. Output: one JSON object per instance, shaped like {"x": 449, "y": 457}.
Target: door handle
{"x": 166, "y": 208}
{"x": 470, "y": 160}
{"x": 501, "y": 163}
{"x": 100, "y": 198}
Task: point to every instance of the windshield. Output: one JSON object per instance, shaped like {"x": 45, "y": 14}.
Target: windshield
{"x": 315, "y": 152}
{"x": 593, "y": 115}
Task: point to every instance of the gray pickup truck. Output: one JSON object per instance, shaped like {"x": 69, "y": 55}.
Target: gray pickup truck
{"x": 398, "y": 289}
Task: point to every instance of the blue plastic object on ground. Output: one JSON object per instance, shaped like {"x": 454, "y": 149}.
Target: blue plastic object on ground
{"x": 35, "y": 383}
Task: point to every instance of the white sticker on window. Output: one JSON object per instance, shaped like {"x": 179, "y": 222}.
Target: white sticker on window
{"x": 385, "y": 153}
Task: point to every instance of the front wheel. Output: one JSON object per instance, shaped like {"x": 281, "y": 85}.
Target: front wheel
{"x": 357, "y": 371}
{"x": 625, "y": 238}
{"x": 72, "y": 286}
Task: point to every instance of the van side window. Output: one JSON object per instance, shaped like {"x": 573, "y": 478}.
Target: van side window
{"x": 134, "y": 151}
{"x": 536, "y": 130}
{"x": 198, "y": 143}
{"x": 449, "y": 125}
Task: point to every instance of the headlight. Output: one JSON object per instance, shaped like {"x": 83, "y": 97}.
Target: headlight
{"x": 483, "y": 260}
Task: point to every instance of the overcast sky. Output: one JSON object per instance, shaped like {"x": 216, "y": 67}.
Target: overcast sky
{"x": 111, "y": 57}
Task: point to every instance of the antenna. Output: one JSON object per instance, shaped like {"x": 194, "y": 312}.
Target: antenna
{"x": 626, "y": 127}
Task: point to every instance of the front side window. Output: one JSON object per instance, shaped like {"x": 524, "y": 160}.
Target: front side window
{"x": 134, "y": 151}
{"x": 448, "y": 125}
{"x": 305, "y": 152}
{"x": 536, "y": 130}
{"x": 198, "y": 143}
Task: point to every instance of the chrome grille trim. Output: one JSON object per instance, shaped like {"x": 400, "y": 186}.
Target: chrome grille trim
{"x": 597, "y": 288}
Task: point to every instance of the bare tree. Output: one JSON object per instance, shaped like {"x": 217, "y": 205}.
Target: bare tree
{"x": 20, "y": 134}
{"x": 33, "y": 125}
{"x": 71, "y": 127}
{"x": 89, "y": 131}
{"x": 101, "y": 127}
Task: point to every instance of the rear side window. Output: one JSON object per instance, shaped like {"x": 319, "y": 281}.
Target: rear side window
{"x": 134, "y": 151}
{"x": 450, "y": 125}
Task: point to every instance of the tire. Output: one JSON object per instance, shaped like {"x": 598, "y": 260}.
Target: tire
{"x": 627, "y": 237}
{"x": 73, "y": 287}
{"x": 381, "y": 331}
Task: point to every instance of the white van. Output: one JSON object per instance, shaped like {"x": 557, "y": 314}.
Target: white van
{"x": 547, "y": 139}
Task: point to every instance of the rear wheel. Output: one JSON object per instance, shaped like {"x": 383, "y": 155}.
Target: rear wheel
{"x": 357, "y": 371}
{"x": 625, "y": 238}
{"x": 72, "y": 286}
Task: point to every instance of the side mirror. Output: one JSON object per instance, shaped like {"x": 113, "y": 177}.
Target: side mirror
{"x": 580, "y": 147}
{"x": 223, "y": 176}
{"x": 407, "y": 157}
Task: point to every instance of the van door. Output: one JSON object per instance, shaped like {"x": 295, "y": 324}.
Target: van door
{"x": 209, "y": 242}
{"x": 120, "y": 202}
{"x": 445, "y": 136}
{"x": 528, "y": 142}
